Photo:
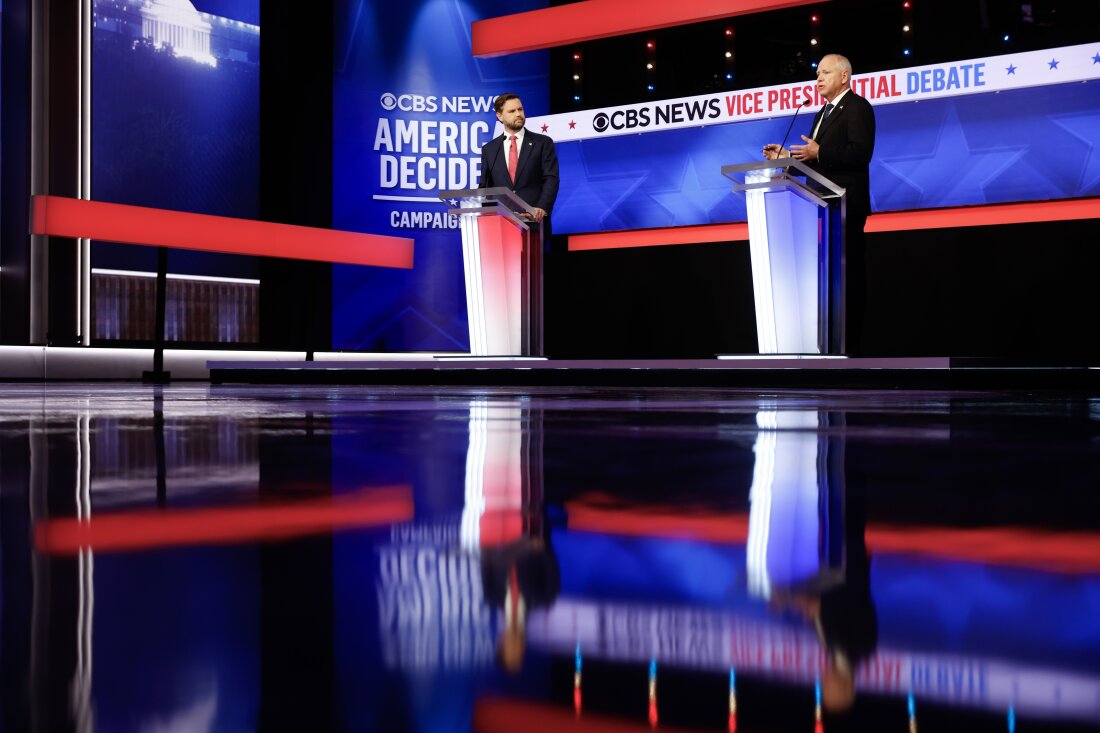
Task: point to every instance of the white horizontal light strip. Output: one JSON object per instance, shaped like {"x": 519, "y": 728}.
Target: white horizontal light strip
{"x": 172, "y": 276}
{"x": 776, "y": 357}
{"x": 414, "y": 199}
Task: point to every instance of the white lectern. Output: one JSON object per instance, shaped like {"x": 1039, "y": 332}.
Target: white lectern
{"x": 796, "y": 244}
{"x": 502, "y": 259}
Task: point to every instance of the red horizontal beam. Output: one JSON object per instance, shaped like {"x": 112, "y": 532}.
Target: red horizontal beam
{"x": 592, "y": 19}
{"x": 57, "y": 216}
{"x": 142, "y": 530}
{"x": 981, "y": 216}
{"x": 893, "y": 221}
{"x": 660, "y": 237}
{"x": 1065, "y": 552}
{"x": 498, "y": 715}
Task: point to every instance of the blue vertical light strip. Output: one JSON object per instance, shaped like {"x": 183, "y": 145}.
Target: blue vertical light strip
{"x": 731, "y": 724}
{"x": 577, "y": 701}
{"x": 653, "y": 719}
{"x": 1011, "y": 719}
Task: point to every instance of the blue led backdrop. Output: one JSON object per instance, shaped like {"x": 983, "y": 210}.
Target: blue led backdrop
{"x": 412, "y": 108}
{"x": 176, "y": 118}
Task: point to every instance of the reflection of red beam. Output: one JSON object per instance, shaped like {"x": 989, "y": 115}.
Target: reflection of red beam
{"x": 509, "y": 716}
{"x": 889, "y": 221}
{"x": 593, "y": 19}
{"x": 1064, "y": 552}
{"x": 659, "y": 522}
{"x": 141, "y": 530}
{"x": 65, "y": 217}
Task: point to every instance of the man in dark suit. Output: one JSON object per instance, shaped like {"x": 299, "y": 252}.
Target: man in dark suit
{"x": 840, "y": 146}
{"x": 521, "y": 160}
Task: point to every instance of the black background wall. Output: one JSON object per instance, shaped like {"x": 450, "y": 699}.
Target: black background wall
{"x": 1025, "y": 291}
{"x": 296, "y": 168}
{"x": 15, "y": 171}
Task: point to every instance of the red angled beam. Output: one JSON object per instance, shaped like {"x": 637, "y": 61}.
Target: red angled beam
{"x": 148, "y": 529}
{"x": 58, "y": 216}
{"x": 586, "y": 21}
{"x": 891, "y": 221}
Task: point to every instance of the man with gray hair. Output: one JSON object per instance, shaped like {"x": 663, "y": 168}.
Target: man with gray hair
{"x": 840, "y": 146}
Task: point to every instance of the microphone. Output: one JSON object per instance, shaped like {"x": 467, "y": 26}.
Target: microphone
{"x": 788, "y": 133}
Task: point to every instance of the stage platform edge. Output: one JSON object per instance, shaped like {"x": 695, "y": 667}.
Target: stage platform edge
{"x": 727, "y": 371}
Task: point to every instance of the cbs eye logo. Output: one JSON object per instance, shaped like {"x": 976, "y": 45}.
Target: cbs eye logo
{"x": 389, "y": 101}
{"x": 600, "y": 122}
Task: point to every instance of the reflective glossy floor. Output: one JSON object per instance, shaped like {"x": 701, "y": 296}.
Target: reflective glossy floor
{"x": 205, "y": 558}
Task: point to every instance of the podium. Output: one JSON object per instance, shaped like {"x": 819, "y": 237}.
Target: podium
{"x": 502, "y": 261}
{"x": 796, "y": 244}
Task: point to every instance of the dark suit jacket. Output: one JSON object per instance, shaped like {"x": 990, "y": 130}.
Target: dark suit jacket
{"x": 536, "y": 174}
{"x": 847, "y": 140}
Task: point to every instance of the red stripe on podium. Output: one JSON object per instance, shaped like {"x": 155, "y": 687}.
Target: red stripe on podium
{"x": 586, "y": 21}
{"x": 58, "y": 216}
{"x": 893, "y": 221}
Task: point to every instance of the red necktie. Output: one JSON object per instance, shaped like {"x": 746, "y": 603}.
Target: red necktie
{"x": 513, "y": 159}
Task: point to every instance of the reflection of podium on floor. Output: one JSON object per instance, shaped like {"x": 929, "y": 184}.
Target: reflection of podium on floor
{"x": 797, "y": 251}
{"x": 502, "y": 259}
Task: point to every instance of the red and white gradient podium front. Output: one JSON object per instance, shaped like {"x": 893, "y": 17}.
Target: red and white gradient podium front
{"x": 796, "y": 244}
{"x": 502, "y": 259}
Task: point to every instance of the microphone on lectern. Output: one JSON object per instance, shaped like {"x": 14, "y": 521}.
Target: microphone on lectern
{"x": 787, "y": 134}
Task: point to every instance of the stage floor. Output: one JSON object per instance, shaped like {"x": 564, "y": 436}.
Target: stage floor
{"x": 723, "y": 371}
{"x": 345, "y": 558}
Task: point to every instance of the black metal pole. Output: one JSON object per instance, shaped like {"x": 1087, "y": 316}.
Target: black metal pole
{"x": 158, "y": 375}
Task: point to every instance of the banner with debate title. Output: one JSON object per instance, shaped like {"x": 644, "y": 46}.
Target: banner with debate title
{"x": 411, "y": 109}
{"x": 1017, "y": 127}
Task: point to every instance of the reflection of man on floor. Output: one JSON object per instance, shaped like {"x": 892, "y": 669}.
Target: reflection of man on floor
{"x": 519, "y": 576}
{"x": 506, "y": 517}
{"x": 843, "y": 616}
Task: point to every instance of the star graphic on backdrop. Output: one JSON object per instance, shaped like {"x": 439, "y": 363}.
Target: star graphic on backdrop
{"x": 545, "y": 128}
{"x": 1083, "y": 126}
{"x": 1011, "y": 69}
{"x": 1053, "y": 63}
{"x": 595, "y": 195}
{"x": 950, "y": 174}
{"x": 1096, "y": 59}
{"x": 453, "y": 202}
{"x": 691, "y": 203}
{"x": 572, "y": 125}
